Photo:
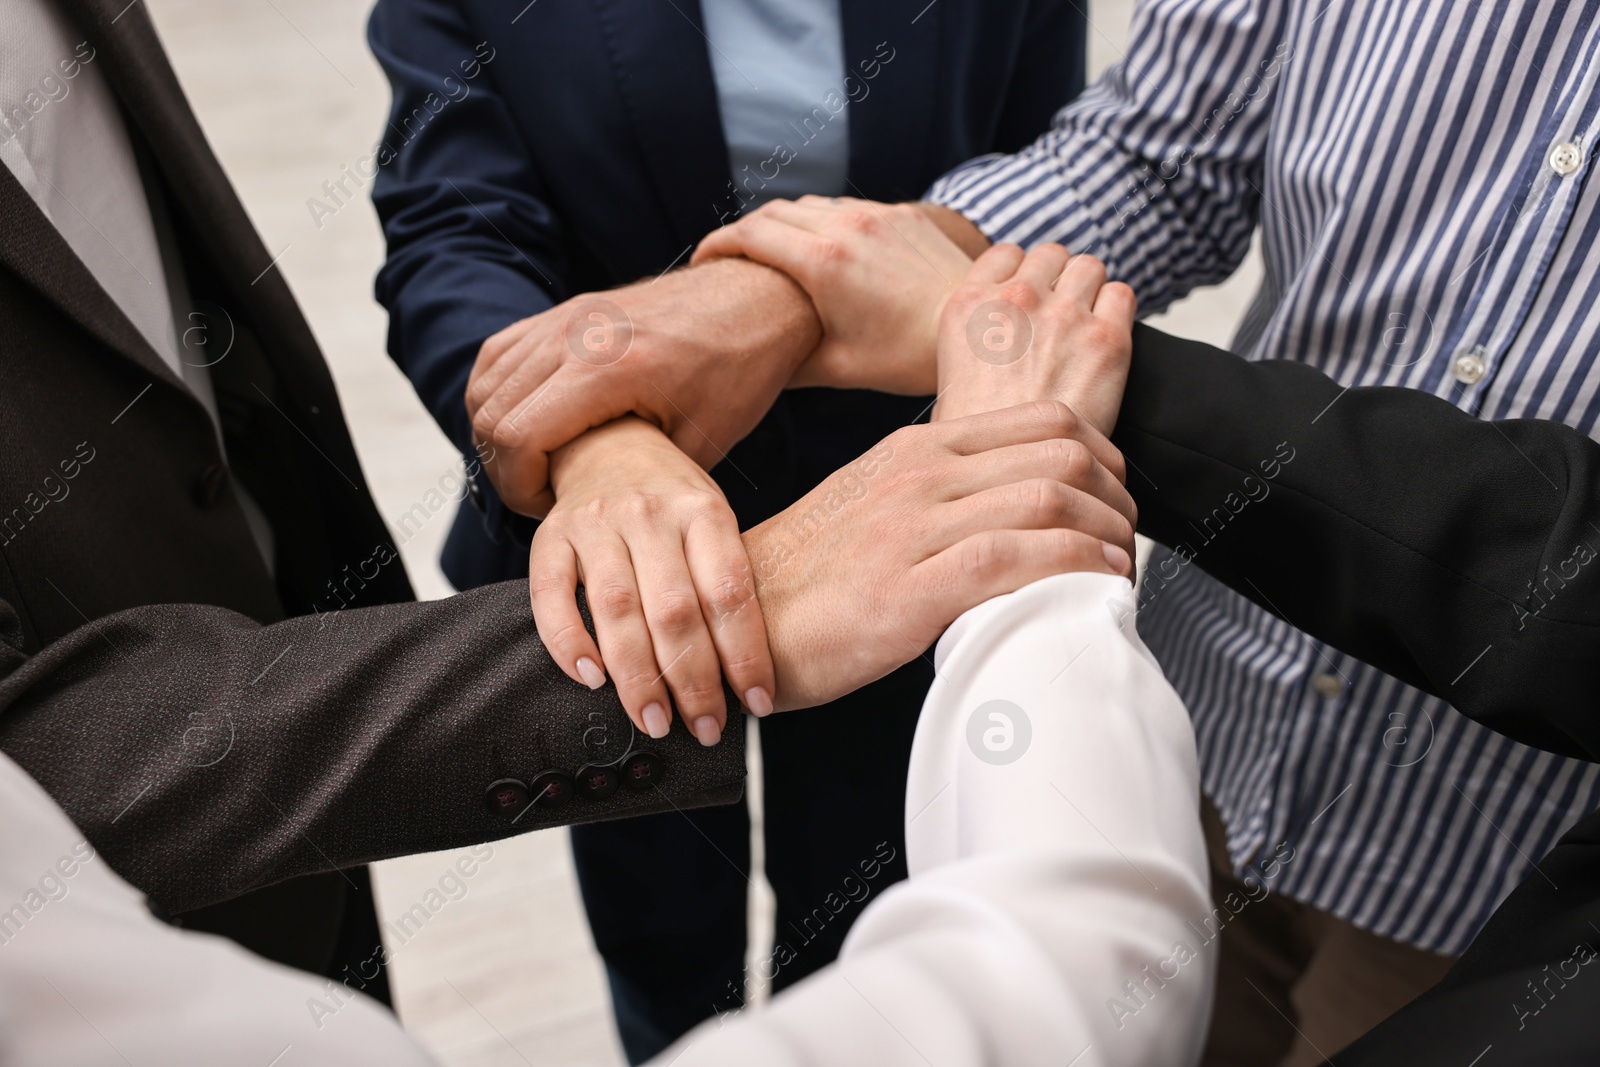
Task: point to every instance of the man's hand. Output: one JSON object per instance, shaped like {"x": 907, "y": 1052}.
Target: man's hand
{"x": 1045, "y": 326}
{"x": 868, "y": 569}
{"x": 702, "y": 353}
{"x": 878, "y": 275}
{"x": 652, "y": 540}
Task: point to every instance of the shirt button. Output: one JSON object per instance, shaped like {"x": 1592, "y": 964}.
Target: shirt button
{"x": 1565, "y": 158}
{"x": 1327, "y": 685}
{"x": 1468, "y": 368}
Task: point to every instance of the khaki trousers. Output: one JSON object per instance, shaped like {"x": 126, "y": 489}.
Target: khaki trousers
{"x": 1295, "y": 984}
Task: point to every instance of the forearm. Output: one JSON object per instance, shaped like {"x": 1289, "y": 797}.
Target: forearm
{"x": 1022, "y": 920}
{"x": 1384, "y": 521}
{"x": 1159, "y": 184}
{"x": 206, "y": 755}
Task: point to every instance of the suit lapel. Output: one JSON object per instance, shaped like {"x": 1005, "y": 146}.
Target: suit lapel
{"x": 144, "y": 82}
{"x": 899, "y": 106}
{"x": 34, "y": 249}
{"x": 663, "y": 42}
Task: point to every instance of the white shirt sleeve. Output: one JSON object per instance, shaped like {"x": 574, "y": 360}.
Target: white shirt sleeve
{"x": 1056, "y": 866}
{"x": 89, "y": 977}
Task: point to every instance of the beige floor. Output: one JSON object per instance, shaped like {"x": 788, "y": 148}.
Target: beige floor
{"x": 288, "y": 94}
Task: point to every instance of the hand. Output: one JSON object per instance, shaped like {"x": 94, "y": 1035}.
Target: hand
{"x": 868, "y": 569}
{"x": 701, "y": 353}
{"x": 650, "y": 537}
{"x": 878, "y": 275}
{"x": 1045, "y": 326}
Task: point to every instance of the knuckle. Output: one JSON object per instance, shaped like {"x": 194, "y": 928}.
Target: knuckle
{"x": 730, "y": 594}
{"x": 1055, "y": 418}
{"x": 985, "y": 557}
{"x": 831, "y": 252}
{"x": 673, "y": 611}
{"x": 1021, "y": 294}
{"x": 569, "y": 637}
{"x": 613, "y": 601}
{"x": 703, "y": 691}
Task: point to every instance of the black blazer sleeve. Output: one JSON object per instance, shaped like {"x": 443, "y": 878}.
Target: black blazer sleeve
{"x": 205, "y": 755}
{"x": 1456, "y": 554}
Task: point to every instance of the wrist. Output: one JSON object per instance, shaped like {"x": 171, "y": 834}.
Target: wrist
{"x": 597, "y": 453}
{"x": 956, "y": 226}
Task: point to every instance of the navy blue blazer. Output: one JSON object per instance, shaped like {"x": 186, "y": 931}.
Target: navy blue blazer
{"x": 539, "y": 150}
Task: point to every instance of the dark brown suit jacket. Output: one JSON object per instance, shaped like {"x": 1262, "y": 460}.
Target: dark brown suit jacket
{"x": 251, "y": 729}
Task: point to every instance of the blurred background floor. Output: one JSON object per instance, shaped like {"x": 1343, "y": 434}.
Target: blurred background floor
{"x": 503, "y": 972}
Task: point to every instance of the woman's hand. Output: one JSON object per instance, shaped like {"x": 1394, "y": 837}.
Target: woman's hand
{"x": 656, "y": 547}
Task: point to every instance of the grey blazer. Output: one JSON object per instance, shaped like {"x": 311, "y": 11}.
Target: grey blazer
{"x": 209, "y": 727}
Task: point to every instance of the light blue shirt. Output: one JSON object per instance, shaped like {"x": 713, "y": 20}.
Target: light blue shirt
{"x": 779, "y": 68}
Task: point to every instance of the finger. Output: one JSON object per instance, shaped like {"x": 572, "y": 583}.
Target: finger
{"x": 519, "y": 373}
{"x": 997, "y": 562}
{"x": 619, "y": 622}
{"x": 1036, "y": 504}
{"x": 497, "y": 345}
{"x": 1041, "y": 267}
{"x": 997, "y": 264}
{"x": 514, "y": 347}
{"x": 1037, "y": 420}
{"x": 771, "y": 241}
{"x": 1065, "y": 460}
{"x": 683, "y": 644}
{"x": 726, "y": 584}
{"x": 1117, "y": 304}
{"x": 553, "y": 591}
{"x": 1081, "y": 280}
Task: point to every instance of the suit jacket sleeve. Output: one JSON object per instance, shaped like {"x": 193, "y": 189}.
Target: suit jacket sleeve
{"x": 473, "y": 244}
{"x": 205, "y": 755}
{"x": 1457, "y": 554}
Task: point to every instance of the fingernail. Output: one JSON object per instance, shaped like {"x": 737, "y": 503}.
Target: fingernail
{"x": 656, "y": 720}
{"x": 1117, "y": 558}
{"x": 707, "y": 730}
{"x": 758, "y": 701}
{"x": 590, "y": 672}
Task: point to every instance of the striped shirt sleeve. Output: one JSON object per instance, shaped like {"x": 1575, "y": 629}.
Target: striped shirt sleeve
{"x": 1157, "y": 167}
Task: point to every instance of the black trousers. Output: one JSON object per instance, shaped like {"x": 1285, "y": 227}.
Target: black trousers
{"x": 666, "y": 895}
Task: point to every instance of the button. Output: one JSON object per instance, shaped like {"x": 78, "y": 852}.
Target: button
{"x": 642, "y": 770}
{"x": 551, "y": 789}
{"x": 1565, "y": 158}
{"x": 596, "y": 782}
{"x": 208, "y": 486}
{"x": 475, "y": 494}
{"x": 1469, "y": 367}
{"x": 506, "y": 796}
{"x": 1327, "y": 685}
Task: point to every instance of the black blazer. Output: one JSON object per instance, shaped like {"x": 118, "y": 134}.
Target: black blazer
{"x": 1459, "y": 555}
{"x": 260, "y": 729}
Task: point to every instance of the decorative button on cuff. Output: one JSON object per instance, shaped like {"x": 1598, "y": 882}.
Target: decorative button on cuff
{"x": 506, "y": 797}
{"x": 551, "y": 789}
{"x": 1566, "y": 158}
{"x": 642, "y": 770}
{"x": 597, "y": 783}
{"x": 1468, "y": 368}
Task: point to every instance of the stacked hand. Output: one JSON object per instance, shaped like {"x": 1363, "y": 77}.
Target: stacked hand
{"x": 878, "y": 275}
{"x": 655, "y": 381}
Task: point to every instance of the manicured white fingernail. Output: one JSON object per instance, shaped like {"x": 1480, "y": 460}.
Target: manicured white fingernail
{"x": 656, "y": 720}
{"x": 590, "y": 672}
{"x": 1117, "y": 558}
{"x": 707, "y": 730}
{"x": 757, "y": 700}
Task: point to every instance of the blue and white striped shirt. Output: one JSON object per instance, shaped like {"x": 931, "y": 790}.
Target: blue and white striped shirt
{"x": 1419, "y": 172}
